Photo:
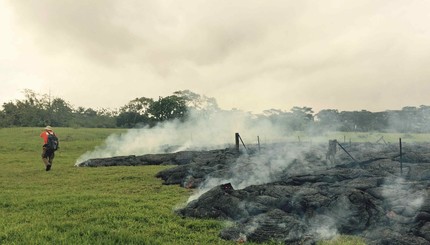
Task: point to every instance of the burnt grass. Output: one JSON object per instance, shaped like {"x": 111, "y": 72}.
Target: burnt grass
{"x": 273, "y": 195}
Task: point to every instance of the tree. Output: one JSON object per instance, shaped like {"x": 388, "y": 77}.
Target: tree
{"x": 423, "y": 118}
{"x": 9, "y": 115}
{"x": 196, "y": 101}
{"x": 41, "y": 110}
{"x": 90, "y": 118}
{"x": 29, "y": 112}
{"x": 138, "y": 105}
{"x": 328, "y": 119}
{"x": 302, "y": 117}
{"x": 60, "y": 113}
{"x": 135, "y": 113}
{"x": 168, "y": 108}
{"x": 278, "y": 117}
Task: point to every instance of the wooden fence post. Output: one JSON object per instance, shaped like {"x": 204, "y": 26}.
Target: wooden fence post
{"x": 401, "y": 157}
{"x": 236, "y": 137}
{"x": 258, "y": 140}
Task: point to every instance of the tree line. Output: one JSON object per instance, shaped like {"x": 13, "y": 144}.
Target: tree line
{"x": 407, "y": 120}
{"x": 37, "y": 110}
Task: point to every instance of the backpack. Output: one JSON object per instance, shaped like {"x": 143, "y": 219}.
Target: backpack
{"x": 52, "y": 142}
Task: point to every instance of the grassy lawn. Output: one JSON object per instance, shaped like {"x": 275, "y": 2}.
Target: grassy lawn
{"x": 70, "y": 205}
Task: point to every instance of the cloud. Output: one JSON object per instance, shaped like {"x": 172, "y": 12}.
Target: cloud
{"x": 87, "y": 27}
{"x": 251, "y": 55}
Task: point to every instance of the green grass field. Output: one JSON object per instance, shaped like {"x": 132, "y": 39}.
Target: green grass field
{"x": 110, "y": 205}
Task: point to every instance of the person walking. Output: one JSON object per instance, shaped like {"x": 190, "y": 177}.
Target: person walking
{"x": 50, "y": 145}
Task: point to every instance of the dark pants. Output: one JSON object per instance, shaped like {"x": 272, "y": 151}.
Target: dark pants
{"x": 48, "y": 154}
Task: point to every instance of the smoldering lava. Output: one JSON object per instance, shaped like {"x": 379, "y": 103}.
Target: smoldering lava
{"x": 294, "y": 194}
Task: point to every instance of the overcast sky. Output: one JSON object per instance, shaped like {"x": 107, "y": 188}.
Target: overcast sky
{"x": 247, "y": 54}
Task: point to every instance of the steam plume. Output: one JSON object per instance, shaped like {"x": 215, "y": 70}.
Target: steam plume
{"x": 201, "y": 131}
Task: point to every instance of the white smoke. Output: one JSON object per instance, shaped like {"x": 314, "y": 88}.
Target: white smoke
{"x": 400, "y": 194}
{"x": 323, "y": 227}
{"x": 258, "y": 169}
{"x": 200, "y": 131}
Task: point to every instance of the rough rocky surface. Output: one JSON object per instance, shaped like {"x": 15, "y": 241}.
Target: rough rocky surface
{"x": 303, "y": 197}
{"x": 367, "y": 200}
{"x": 178, "y": 158}
{"x": 192, "y": 167}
